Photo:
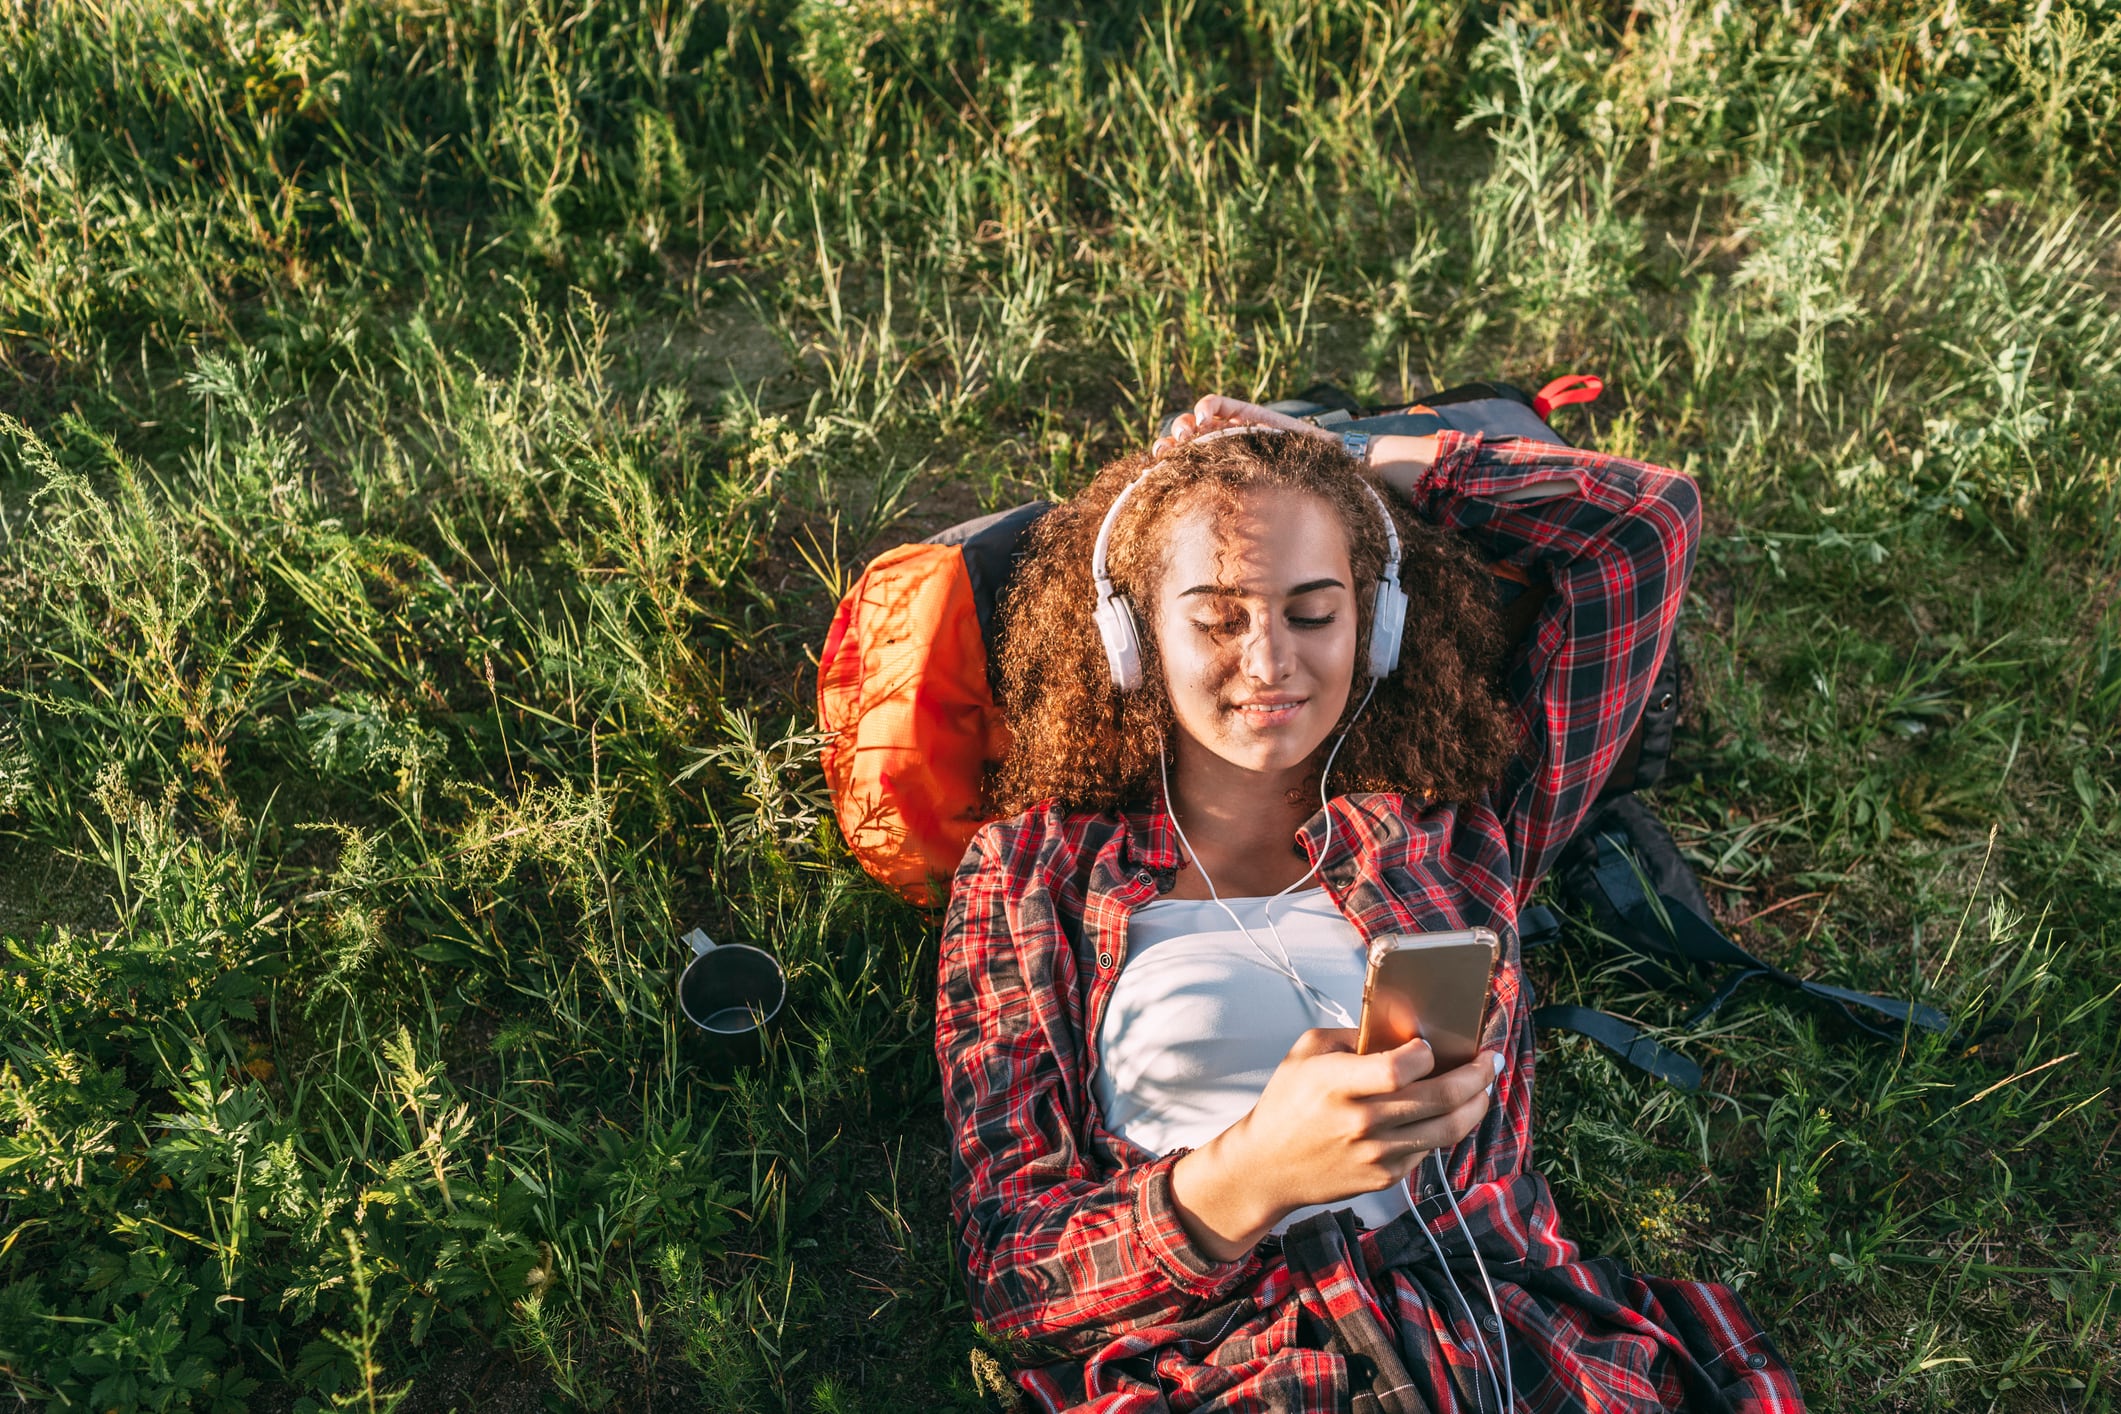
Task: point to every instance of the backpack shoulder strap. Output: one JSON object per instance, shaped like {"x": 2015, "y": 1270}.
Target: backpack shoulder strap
{"x": 1642, "y": 892}
{"x": 992, "y": 545}
{"x": 1630, "y": 1043}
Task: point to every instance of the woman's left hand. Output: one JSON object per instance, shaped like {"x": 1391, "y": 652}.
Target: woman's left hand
{"x": 1215, "y": 412}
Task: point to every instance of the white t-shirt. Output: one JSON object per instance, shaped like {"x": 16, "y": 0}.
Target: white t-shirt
{"x": 1200, "y": 1017}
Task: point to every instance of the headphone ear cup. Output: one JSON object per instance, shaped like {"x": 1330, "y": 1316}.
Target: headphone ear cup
{"x": 1123, "y": 649}
{"x": 1388, "y": 623}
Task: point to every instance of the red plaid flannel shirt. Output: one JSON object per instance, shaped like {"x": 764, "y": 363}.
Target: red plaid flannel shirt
{"x": 1068, "y": 1232}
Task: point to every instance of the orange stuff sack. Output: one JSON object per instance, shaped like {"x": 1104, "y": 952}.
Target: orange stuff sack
{"x": 905, "y": 700}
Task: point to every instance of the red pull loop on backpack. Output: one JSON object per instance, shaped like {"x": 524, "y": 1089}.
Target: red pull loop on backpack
{"x": 1567, "y": 389}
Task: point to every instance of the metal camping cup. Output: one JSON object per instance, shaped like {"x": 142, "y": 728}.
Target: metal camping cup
{"x": 729, "y": 988}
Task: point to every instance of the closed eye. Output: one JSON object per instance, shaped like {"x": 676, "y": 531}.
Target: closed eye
{"x": 1233, "y": 621}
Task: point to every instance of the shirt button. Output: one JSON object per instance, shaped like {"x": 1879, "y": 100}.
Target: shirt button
{"x": 1104, "y": 959}
{"x": 1491, "y": 1323}
{"x": 1756, "y": 1361}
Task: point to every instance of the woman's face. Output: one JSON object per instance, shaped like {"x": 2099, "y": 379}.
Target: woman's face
{"x": 1255, "y": 621}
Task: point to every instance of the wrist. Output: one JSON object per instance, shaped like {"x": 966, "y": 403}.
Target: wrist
{"x": 1401, "y": 462}
{"x": 1216, "y": 1192}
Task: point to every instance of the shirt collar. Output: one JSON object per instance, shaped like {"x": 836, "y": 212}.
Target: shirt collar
{"x": 1152, "y": 840}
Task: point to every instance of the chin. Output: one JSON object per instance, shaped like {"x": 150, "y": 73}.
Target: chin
{"x": 1267, "y": 756}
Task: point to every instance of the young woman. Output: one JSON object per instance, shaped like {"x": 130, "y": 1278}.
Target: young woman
{"x": 1174, "y": 1179}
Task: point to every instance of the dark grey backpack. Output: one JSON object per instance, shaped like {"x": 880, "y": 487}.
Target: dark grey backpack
{"x": 1622, "y": 876}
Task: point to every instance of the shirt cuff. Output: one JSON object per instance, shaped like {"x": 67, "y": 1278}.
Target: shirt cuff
{"x": 1455, "y": 455}
{"x": 1157, "y": 1228}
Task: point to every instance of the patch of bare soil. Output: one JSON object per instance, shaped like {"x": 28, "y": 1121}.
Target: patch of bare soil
{"x": 40, "y": 885}
{"x": 487, "y": 1381}
{"x": 721, "y": 346}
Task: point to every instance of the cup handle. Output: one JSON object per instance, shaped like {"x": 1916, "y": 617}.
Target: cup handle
{"x": 701, "y": 943}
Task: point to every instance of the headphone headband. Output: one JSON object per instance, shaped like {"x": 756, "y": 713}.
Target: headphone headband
{"x": 1115, "y": 616}
{"x": 1098, "y": 570}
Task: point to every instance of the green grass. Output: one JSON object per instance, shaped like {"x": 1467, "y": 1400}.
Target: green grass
{"x": 436, "y": 434}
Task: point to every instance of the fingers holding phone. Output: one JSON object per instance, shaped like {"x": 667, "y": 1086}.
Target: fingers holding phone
{"x": 1428, "y": 993}
{"x": 1331, "y": 1124}
{"x": 1351, "y": 1112}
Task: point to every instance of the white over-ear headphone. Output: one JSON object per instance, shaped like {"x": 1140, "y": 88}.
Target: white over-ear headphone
{"x": 1115, "y": 616}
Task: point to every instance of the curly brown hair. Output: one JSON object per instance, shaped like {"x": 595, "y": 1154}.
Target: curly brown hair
{"x": 1437, "y": 730}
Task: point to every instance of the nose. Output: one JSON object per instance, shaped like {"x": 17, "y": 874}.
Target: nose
{"x": 1267, "y": 654}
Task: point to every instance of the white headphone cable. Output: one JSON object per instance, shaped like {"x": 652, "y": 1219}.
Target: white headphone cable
{"x": 1325, "y": 806}
{"x": 1287, "y": 966}
{"x": 1487, "y": 1361}
{"x": 1507, "y": 1391}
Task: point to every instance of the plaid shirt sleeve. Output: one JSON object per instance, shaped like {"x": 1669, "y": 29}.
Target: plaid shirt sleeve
{"x": 1059, "y": 1247}
{"x": 1616, "y": 538}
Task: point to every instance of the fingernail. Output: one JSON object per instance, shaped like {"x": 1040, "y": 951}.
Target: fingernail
{"x": 1496, "y": 1056}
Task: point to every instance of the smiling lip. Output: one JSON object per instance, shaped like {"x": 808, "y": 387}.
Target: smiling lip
{"x": 1265, "y": 711}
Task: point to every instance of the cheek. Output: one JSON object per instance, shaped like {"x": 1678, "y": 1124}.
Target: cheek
{"x": 1342, "y": 653}
{"x": 1194, "y": 668}
{"x": 1338, "y": 664}
{"x": 1195, "y": 671}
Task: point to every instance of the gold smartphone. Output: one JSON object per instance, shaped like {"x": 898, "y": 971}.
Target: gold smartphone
{"x": 1432, "y": 985}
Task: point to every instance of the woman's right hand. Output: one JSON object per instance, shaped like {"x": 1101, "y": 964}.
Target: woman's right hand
{"x": 1331, "y": 1124}
{"x": 1400, "y": 462}
{"x": 1216, "y": 413}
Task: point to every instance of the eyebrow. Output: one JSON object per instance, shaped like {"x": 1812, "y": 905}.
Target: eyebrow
{"x": 1224, "y": 591}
